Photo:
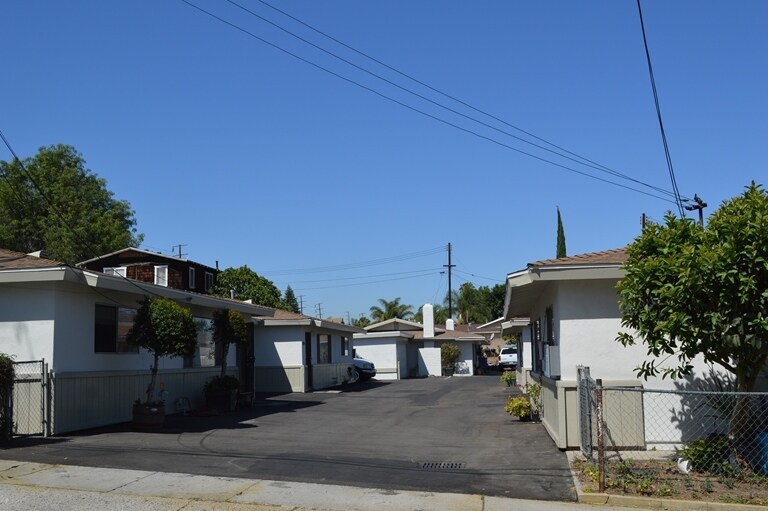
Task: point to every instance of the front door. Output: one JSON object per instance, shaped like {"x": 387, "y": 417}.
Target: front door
{"x": 308, "y": 360}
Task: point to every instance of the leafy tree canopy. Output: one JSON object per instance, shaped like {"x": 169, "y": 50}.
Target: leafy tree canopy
{"x": 440, "y": 312}
{"x": 229, "y": 327}
{"x": 361, "y": 322}
{"x": 82, "y": 219}
{"x": 248, "y": 285}
{"x": 561, "y": 252}
{"x": 390, "y": 310}
{"x": 692, "y": 291}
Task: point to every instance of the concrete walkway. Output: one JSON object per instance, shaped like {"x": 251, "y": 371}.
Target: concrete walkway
{"x": 33, "y": 486}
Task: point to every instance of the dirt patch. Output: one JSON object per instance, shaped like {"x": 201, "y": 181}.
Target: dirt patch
{"x": 662, "y": 478}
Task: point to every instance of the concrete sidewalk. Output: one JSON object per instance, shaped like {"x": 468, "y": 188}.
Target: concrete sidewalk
{"x": 33, "y": 486}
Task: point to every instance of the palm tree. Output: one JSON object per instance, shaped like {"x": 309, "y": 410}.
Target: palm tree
{"x": 391, "y": 309}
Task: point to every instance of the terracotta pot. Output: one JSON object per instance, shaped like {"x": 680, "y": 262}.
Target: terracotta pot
{"x": 148, "y": 417}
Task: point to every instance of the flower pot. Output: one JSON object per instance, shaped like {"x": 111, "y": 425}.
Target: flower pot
{"x": 525, "y": 418}
{"x": 148, "y": 417}
{"x": 221, "y": 400}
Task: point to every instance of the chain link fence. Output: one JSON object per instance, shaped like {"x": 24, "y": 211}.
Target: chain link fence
{"x": 29, "y": 404}
{"x": 652, "y": 435}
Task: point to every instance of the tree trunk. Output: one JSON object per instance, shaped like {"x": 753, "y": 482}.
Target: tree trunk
{"x": 224, "y": 353}
{"x": 151, "y": 386}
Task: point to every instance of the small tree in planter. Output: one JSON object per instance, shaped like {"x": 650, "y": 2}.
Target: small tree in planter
{"x": 449, "y": 356}
{"x": 229, "y": 327}
{"x": 165, "y": 329}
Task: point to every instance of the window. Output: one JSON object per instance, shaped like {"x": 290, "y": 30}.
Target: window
{"x": 323, "y": 349}
{"x": 119, "y": 270}
{"x": 161, "y": 275}
{"x": 549, "y": 320}
{"x": 208, "y": 280}
{"x": 344, "y": 346}
{"x": 111, "y": 326}
{"x": 192, "y": 277}
{"x": 205, "y": 355}
{"x": 538, "y": 347}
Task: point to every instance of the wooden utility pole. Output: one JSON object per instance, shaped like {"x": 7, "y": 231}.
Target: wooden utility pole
{"x": 450, "y": 294}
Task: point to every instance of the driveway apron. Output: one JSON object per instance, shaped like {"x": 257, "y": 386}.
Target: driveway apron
{"x": 431, "y": 435}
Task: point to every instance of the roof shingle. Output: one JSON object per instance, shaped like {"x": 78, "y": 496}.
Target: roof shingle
{"x": 11, "y": 260}
{"x": 615, "y": 256}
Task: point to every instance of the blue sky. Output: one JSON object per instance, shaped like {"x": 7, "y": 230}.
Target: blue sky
{"x": 250, "y": 156}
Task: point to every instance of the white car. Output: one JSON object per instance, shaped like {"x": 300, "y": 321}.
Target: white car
{"x": 508, "y": 356}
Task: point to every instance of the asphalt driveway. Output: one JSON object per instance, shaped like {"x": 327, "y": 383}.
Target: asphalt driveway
{"x": 436, "y": 435}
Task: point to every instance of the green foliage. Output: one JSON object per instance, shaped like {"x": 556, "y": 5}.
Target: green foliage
{"x": 479, "y": 305}
{"x": 290, "y": 303}
{"x": 229, "y": 327}
{"x": 519, "y": 406}
{"x": 440, "y": 314}
{"x": 561, "y": 252}
{"x": 83, "y": 218}
{"x": 391, "y": 310}
{"x": 165, "y": 329}
{"x": 248, "y": 285}
{"x": 691, "y": 291}
{"x": 449, "y": 355}
{"x": 509, "y": 377}
{"x": 226, "y": 382}
{"x": 6, "y": 390}
{"x": 709, "y": 455}
{"x": 533, "y": 391}
{"x": 361, "y": 322}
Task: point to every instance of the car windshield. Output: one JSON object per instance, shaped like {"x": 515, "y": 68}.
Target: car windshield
{"x": 508, "y": 351}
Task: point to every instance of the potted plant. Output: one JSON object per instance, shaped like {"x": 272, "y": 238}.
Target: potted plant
{"x": 229, "y": 327}
{"x": 519, "y": 406}
{"x": 533, "y": 390}
{"x": 449, "y": 357}
{"x": 165, "y": 329}
{"x": 509, "y": 377}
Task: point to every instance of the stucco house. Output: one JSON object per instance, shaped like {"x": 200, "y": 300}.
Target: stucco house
{"x": 566, "y": 314}
{"x": 297, "y": 353}
{"x": 75, "y": 320}
{"x": 406, "y": 349}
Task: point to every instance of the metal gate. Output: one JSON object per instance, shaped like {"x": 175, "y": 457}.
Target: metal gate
{"x": 29, "y": 400}
{"x": 587, "y": 409}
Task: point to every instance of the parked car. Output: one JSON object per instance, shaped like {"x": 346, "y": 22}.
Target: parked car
{"x": 508, "y": 357}
{"x": 365, "y": 369}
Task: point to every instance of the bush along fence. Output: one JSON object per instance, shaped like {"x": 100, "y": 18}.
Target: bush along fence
{"x": 636, "y": 436}
{"x": 6, "y": 394}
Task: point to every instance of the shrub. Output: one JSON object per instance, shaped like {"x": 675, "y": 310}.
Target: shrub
{"x": 227, "y": 382}
{"x": 519, "y": 406}
{"x": 509, "y": 377}
{"x": 6, "y": 388}
{"x": 708, "y": 454}
{"x": 449, "y": 355}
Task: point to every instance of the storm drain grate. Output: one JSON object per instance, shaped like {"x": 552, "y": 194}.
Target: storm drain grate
{"x": 442, "y": 465}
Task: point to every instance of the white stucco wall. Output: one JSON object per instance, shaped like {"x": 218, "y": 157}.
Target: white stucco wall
{"x": 26, "y": 323}
{"x": 279, "y": 346}
{"x": 429, "y": 360}
{"x": 465, "y": 366}
{"x": 382, "y": 352}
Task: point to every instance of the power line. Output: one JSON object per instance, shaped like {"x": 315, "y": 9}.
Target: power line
{"x": 362, "y": 264}
{"x": 414, "y": 109}
{"x": 581, "y": 160}
{"x": 370, "y": 282}
{"x": 478, "y": 276}
{"x": 363, "y": 276}
{"x": 678, "y": 200}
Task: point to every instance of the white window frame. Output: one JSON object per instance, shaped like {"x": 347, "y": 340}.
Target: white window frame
{"x": 159, "y": 279}
{"x": 192, "y": 277}
{"x": 120, "y": 271}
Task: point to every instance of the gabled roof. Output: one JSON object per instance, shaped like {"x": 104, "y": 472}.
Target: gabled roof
{"x": 278, "y": 317}
{"x": 10, "y": 260}
{"x": 397, "y": 325}
{"x": 141, "y": 252}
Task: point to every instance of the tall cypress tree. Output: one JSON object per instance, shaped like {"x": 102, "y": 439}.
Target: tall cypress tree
{"x": 560, "y": 236}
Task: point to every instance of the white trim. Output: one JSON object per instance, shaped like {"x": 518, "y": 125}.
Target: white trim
{"x": 161, "y": 280}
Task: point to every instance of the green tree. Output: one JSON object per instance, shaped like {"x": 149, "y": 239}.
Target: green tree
{"x": 449, "y": 355}
{"x": 165, "y": 329}
{"x": 471, "y": 305}
{"x": 440, "y": 314}
{"x": 493, "y": 297}
{"x": 391, "y": 309}
{"x": 691, "y": 291}
{"x": 247, "y": 285}
{"x": 560, "y": 236}
{"x": 361, "y": 322}
{"x": 229, "y": 327}
{"x": 290, "y": 303}
{"x": 53, "y": 202}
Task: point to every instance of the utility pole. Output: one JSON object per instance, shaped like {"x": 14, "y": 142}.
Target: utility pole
{"x": 450, "y": 294}
{"x": 700, "y": 205}
{"x": 301, "y": 303}
{"x": 349, "y": 321}
{"x": 319, "y": 310}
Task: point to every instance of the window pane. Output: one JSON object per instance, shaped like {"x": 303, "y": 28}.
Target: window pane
{"x": 105, "y": 332}
{"x": 125, "y": 318}
{"x": 205, "y": 352}
{"x": 323, "y": 349}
